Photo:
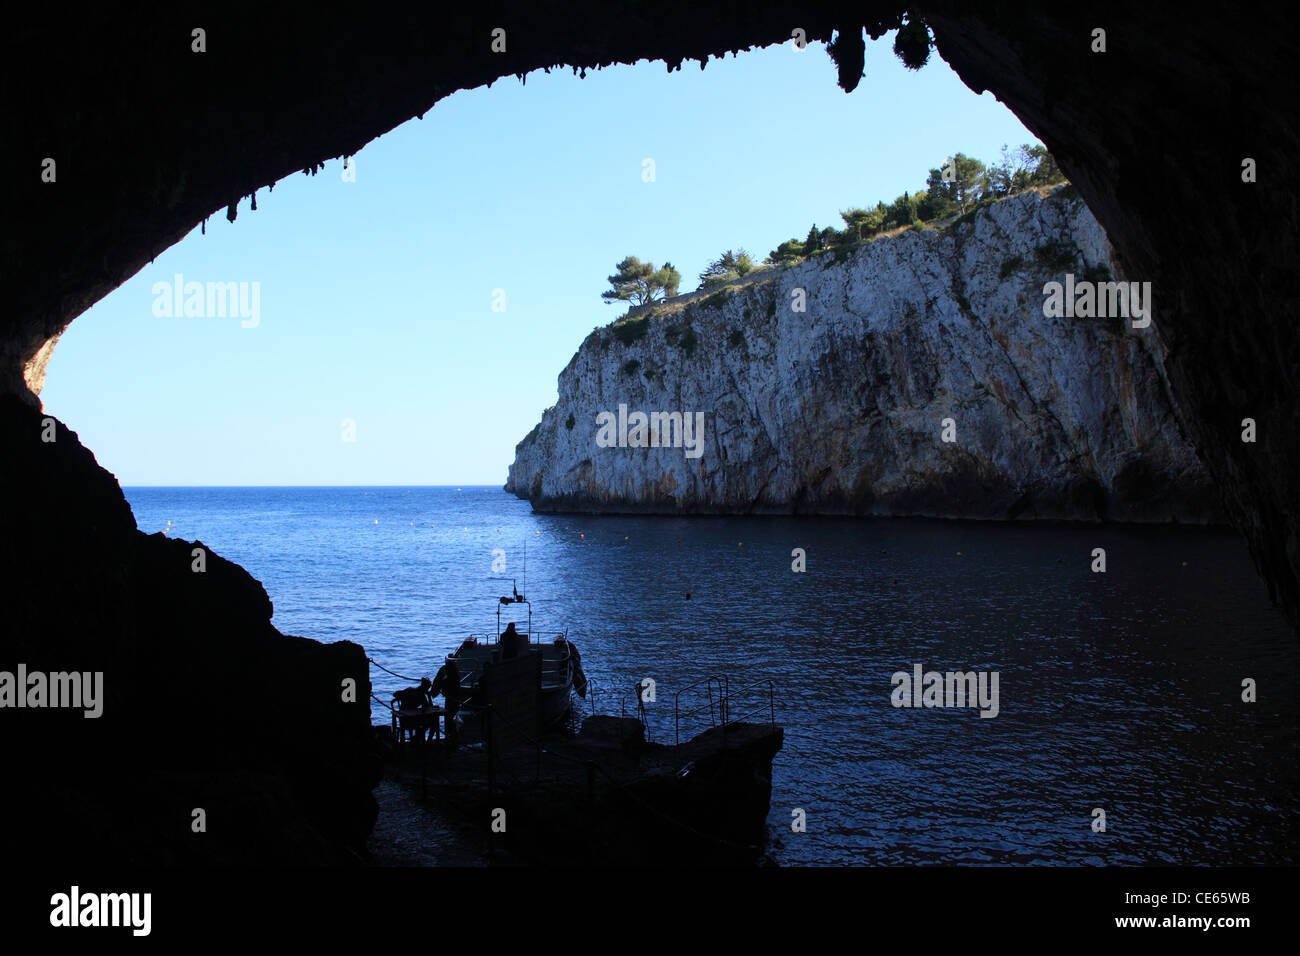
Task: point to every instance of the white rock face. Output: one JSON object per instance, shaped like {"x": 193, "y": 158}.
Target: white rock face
{"x": 840, "y": 409}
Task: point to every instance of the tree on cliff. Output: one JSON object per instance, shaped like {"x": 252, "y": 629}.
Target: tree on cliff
{"x": 728, "y": 266}
{"x": 1020, "y": 169}
{"x": 962, "y": 184}
{"x": 863, "y": 223}
{"x": 956, "y": 186}
{"x": 669, "y": 278}
{"x": 640, "y": 282}
{"x": 1008, "y": 176}
{"x": 789, "y": 251}
{"x": 900, "y": 212}
{"x": 1045, "y": 170}
{"x": 813, "y": 242}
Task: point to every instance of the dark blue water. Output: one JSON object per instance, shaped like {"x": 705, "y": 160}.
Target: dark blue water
{"x": 1119, "y": 690}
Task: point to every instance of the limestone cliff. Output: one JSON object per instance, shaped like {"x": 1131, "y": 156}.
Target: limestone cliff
{"x": 841, "y": 407}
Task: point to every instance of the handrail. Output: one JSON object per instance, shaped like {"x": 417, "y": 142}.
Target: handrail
{"x": 708, "y": 705}
{"x": 771, "y": 693}
{"x": 771, "y": 704}
{"x": 705, "y": 680}
{"x": 708, "y": 683}
{"x": 490, "y": 639}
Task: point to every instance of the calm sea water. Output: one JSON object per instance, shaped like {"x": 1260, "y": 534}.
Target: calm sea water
{"x": 1119, "y": 690}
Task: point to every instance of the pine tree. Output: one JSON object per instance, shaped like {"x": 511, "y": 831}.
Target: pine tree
{"x": 640, "y": 282}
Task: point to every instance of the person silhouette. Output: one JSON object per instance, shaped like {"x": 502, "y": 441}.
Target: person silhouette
{"x": 412, "y": 704}
{"x": 447, "y": 683}
{"x": 513, "y": 643}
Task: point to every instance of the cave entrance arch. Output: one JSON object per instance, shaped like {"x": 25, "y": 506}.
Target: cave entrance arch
{"x": 176, "y": 139}
{"x": 1155, "y": 132}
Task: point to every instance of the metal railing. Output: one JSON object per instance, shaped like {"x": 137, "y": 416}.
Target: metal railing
{"x": 728, "y": 706}
{"x": 729, "y": 717}
{"x": 598, "y": 691}
{"x": 716, "y": 706}
{"x": 534, "y": 637}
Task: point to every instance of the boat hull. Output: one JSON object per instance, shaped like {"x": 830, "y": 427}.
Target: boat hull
{"x": 529, "y": 693}
{"x": 607, "y": 797}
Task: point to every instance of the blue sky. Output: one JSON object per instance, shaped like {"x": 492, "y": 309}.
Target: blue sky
{"x": 375, "y": 296}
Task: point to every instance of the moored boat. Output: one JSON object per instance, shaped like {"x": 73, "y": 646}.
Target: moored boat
{"x": 527, "y": 676}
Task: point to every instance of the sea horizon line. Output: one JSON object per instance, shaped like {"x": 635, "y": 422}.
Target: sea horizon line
{"x": 169, "y": 487}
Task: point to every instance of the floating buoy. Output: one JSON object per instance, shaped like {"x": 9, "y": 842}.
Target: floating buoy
{"x": 376, "y": 521}
{"x": 466, "y": 528}
{"x": 582, "y": 536}
{"x": 536, "y": 532}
